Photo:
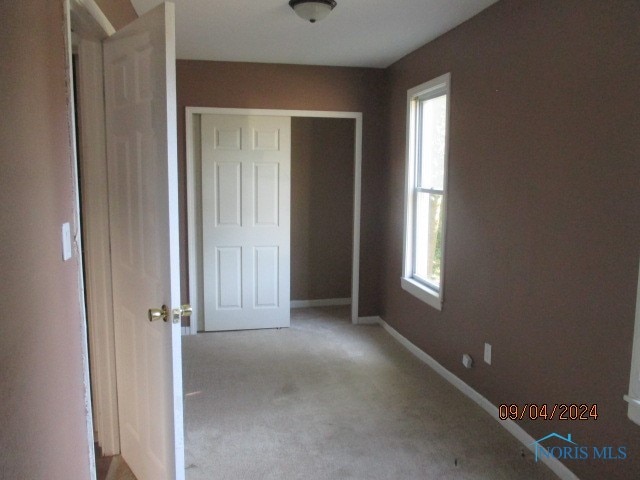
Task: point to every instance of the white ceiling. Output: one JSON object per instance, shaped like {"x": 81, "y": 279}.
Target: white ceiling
{"x": 358, "y": 33}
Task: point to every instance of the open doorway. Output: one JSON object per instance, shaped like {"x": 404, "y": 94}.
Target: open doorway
{"x": 87, "y": 27}
{"x": 322, "y": 174}
{"x": 121, "y": 80}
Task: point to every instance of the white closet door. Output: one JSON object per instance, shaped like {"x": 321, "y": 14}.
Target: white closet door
{"x": 246, "y": 184}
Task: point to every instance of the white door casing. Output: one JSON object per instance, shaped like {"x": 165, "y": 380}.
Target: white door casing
{"x": 246, "y": 182}
{"x": 96, "y": 246}
{"x": 139, "y": 66}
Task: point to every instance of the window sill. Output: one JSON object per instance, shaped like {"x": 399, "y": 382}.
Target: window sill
{"x": 428, "y": 296}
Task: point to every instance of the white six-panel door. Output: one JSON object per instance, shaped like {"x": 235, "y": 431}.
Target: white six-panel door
{"x": 246, "y": 178}
{"x": 140, "y": 103}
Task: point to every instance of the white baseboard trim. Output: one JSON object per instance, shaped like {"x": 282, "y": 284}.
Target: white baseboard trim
{"x": 370, "y": 320}
{"x": 513, "y": 428}
{"x": 323, "y": 302}
{"x": 186, "y": 330}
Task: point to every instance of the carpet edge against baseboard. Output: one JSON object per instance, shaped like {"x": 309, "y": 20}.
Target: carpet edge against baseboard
{"x": 323, "y": 302}
{"x": 369, "y": 320}
{"x": 512, "y": 427}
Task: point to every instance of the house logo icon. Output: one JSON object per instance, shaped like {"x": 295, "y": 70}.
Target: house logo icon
{"x": 540, "y": 449}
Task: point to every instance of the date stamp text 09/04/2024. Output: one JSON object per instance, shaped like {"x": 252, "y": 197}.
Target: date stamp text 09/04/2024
{"x": 543, "y": 411}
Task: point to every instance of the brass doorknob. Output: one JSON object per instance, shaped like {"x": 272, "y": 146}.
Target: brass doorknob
{"x": 182, "y": 311}
{"x": 163, "y": 313}
{"x": 158, "y": 313}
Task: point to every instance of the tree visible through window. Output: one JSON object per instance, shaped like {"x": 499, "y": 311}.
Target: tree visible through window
{"x": 426, "y": 174}
{"x": 431, "y": 123}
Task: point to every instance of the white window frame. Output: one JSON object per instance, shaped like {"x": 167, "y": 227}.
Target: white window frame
{"x": 428, "y": 294}
{"x": 633, "y": 411}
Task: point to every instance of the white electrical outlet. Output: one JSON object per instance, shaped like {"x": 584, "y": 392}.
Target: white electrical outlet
{"x": 467, "y": 361}
{"x": 487, "y": 353}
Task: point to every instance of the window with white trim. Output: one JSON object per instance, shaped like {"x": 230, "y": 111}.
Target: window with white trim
{"x": 426, "y": 192}
{"x": 634, "y": 382}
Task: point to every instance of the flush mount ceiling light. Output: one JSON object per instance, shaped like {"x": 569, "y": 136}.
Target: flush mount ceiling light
{"x": 312, "y": 10}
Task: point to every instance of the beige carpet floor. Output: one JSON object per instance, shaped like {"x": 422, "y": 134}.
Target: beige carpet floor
{"x": 325, "y": 399}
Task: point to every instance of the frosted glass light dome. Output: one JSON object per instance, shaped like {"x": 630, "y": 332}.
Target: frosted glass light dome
{"x": 312, "y": 10}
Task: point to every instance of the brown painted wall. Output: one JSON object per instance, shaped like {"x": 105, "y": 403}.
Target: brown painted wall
{"x": 544, "y": 211}
{"x": 42, "y": 411}
{"x": 119, "y": 12}
{"x": 321, "y": 207}
{"x": 296, "y": 87}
